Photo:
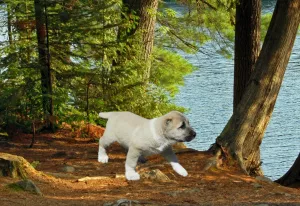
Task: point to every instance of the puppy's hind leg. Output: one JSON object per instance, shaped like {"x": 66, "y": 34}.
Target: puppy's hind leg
{"x": 172, "y": 159}
{"x": 104, "y": 142}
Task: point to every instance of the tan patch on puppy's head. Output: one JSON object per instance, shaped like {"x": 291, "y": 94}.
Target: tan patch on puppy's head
{"x": 177, "y": 127}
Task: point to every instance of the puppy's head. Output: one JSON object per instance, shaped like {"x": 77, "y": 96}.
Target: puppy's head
{"x": 176, "y": 127}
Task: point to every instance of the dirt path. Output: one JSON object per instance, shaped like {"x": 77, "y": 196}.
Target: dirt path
{"x": 65, "y": 159}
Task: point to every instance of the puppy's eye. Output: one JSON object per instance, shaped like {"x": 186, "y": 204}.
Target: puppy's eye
{"x": 182, "y": 126}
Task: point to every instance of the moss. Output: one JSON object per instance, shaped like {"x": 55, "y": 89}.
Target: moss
{"x": 14, "y": 187}
{"x": 34, "y": 164}
{"x": 4, "y": 134}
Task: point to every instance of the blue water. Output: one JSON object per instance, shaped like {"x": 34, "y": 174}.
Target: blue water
{"x": 208, "y": 93}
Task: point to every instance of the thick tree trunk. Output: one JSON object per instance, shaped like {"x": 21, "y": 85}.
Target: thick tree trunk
{"x": 246, "y": 45}
{"x": 242, "y": 136}
{"x": 292, "y": 177}
{"x": 246, "y": 50}
{"x": 44, "y": 61}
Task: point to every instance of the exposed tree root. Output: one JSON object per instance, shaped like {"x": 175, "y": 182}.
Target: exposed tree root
{"x": 217, "y": 160}
{"x": 292, "y": 177}
{"x": 17, "y": 167}
{"x": 214, "y": 162}
{"x": 222, "y": 157}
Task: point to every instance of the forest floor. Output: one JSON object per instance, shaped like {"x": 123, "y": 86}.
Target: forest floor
{"x": 63, "y": 159}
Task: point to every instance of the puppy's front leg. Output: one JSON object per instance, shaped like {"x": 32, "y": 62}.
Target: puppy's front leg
{"x": 131, "y": 161}
{"x": 171, "y": 157}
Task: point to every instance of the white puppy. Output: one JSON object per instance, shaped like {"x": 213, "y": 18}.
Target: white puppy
{"x": 143, "y": 137}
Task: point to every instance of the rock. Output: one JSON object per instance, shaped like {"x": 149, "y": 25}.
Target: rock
{"x": 263, "y": 178}
{"x": 122, "y": 202}
{"x": 62, "y": 175}
{"x": 155, "y": 175}
{"x": 28, "y": 185}
{"x": 256, "y": 185}
{"x": 68, "y": 168}
{"x": 287, "y": 194}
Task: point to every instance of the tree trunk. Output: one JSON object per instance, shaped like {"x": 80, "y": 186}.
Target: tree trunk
{"x": 292, "y": 176}
{"x": 246, "y": 45}
{"x": 147, "y": 25}
{"x": 241, "y": 138}
{"x": 146, "y": 11}
{"x": 9, "y": 22}
{"x": 44, "y": 61}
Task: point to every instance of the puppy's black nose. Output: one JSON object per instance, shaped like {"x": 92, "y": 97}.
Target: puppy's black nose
{"x": 193, "y": 133}
{"x": 191, "y": 136}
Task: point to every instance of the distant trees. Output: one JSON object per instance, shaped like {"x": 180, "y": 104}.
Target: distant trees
{"x": 59, "y": 58}
{"x": 241, "y": 138}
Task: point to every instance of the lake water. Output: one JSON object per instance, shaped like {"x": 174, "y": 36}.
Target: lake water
{"x": 208, "y": 93}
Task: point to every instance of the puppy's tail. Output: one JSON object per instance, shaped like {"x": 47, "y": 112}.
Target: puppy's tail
{"x": 105, "y": 115}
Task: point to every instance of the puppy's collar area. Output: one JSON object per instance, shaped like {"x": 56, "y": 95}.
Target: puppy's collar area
{"x": 160, "y": 140}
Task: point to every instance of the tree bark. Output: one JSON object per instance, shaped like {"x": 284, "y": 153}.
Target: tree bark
{"x": 44, "y": 59}
{"x": 147, "y": 25}
{"x": 146, "y": 11}
{"x": 292, "y": 176}
{"x": 241, "y": 138}
{"x": 246, "y": 45}
{"x": 9, "y": 23}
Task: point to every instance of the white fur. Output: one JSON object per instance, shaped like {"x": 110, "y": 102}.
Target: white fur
{"x": 105, "y": 115}
{"x": 142, "y": 137}
{"x": 102, "y": 158}
{"x": 179, "y": 169}
{"x": 130, "y": 174}
{"x": 160, "y": 140}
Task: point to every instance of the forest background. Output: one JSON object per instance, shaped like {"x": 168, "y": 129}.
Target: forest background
{"x": 64, "y": 61}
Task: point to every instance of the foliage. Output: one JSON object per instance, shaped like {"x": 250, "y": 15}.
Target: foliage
{"x": 199, "y": 22}
{"x": 265, "y": 21}
{"x": 168, "y": 69}
{"x": 95, "y": 66}
{"x": 83, "y": 44}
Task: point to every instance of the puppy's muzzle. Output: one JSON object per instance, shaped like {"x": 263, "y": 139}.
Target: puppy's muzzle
{"x": 191, "y": 136}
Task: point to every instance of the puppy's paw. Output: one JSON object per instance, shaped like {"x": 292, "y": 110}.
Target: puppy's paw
{"x": 132, "y": 176}
{"x": 103, "y": 158}
{"x": 179, "y": 169}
